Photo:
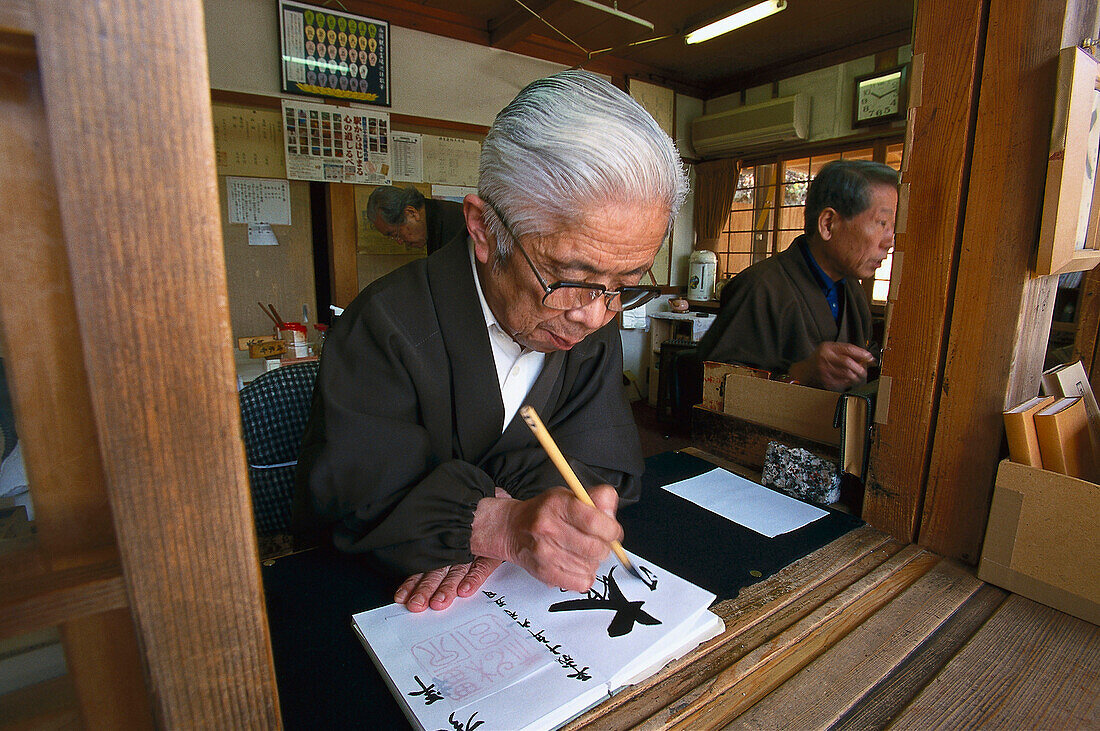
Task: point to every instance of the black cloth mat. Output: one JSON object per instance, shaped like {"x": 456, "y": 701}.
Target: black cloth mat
{"x": 326, "y": 679}
{"x": 704, "y": 548}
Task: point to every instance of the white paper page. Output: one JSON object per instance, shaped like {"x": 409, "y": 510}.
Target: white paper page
{"x": 503, "y": 657}
{"x": 746, "y": 503}
{"x": 258, "y": 200}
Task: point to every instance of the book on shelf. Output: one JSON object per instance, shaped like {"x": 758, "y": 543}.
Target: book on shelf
{"x": 521, "y": 655}
{"x": 1070, "y": 379}
{"x": 1023, "y": 442}
{"x": 1064, "y": 442}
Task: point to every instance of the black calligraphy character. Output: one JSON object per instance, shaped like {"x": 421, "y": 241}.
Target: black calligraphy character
{"x": 650, "y": 578}
{"x": 431, "y": 695}
{"x": 627, "y": 613}
{"x": 470, "y": 725}
{"x": 581, "y": 674}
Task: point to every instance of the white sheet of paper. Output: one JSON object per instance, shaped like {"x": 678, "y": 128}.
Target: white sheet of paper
{"x": 261, "y": 234}
{"x": 746, "y": 503}
{"x": 505, "y": 658}
{"x": 258, "y": 200}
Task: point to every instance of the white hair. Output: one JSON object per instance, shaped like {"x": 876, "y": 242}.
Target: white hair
{"x": 568, "y": 144}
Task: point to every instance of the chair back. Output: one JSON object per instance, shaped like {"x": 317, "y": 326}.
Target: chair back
{"x": 274, "y": 411}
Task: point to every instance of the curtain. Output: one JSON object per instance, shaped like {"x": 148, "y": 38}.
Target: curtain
{"x": 715, "y": 183}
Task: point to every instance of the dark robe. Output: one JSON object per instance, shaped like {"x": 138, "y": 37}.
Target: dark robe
{"x": 444, "y": 220}
{"x": 774, "y": 314}
{"x": 405, "y": 434}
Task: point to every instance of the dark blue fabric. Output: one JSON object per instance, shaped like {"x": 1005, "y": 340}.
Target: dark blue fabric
{"x": 829, "y": 288}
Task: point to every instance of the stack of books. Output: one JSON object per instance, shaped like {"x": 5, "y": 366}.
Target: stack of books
{"x": 1059, "y": 431}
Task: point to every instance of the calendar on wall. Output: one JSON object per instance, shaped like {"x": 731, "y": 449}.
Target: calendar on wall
{"x": 327, "y": 53}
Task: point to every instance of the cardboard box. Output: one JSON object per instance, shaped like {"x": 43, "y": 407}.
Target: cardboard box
{"x": 714, "y": 382}
{"x": 1042, "y": 542}
{"x": 800, "y": 410}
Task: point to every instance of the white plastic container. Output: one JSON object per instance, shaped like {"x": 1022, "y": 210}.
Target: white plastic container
{"x": 701, "y": 270}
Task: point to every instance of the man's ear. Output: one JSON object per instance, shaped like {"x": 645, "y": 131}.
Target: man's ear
{"x": 411, "y": 215}
{"x": 473, "y": 208}
{"x": 827, "y": 221}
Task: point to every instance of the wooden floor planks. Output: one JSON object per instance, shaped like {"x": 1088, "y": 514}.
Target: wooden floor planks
{"x": 869, "y": 634}
{"x": 1029, "y": 666}
{"x": 829, "y": 687}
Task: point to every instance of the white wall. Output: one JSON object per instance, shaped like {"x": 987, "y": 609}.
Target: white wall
{"x": 430, "y": 76}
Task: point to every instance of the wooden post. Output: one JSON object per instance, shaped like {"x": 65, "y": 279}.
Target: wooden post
{"x": 128, "y": 111}
{"x": 342, "y": 236}
{"x": 1001, "y": 318}
{"x": 947, "y": 46}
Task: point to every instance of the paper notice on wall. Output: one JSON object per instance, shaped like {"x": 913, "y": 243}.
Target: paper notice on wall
{"x": 408, "y": 157}
{"x": 450, "y": 160}
{"x": 261, "y": 234}
{"x": 336, "y": 144}
{"x": 258, "y": 200}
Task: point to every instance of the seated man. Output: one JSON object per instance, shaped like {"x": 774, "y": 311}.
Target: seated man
{"x": 405, "y": 215}
{"x": 414, "y": 454}
{"x": 803, "y": 312}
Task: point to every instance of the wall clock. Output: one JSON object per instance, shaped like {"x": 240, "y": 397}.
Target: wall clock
{"x": 880, "y": 97}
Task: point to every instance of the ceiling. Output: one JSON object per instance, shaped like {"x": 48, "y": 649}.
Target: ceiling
{"x": 807, "y": 35}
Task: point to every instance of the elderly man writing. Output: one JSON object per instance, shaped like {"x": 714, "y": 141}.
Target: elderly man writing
{"x": 414, "y": 452}
{"x": 406, "y": 216}
{"x": 803, "y": 312}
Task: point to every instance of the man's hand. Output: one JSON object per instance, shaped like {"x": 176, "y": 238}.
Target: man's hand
{"x": 554, "y": 536}
{"x": 835, "y": 366}
{"x": 438, "y": 588}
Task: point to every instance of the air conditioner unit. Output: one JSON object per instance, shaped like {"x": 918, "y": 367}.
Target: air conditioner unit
{"x": 785, "y": 119}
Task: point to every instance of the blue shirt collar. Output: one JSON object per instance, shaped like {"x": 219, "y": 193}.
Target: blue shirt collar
{"x": 828, "y": 287}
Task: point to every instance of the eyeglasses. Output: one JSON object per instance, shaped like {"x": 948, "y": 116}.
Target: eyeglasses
{"x": 563, "y": 295}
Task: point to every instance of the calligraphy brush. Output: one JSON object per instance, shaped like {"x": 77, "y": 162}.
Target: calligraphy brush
{"x": 532, "y": 418}
{"x": 273, "y": 318}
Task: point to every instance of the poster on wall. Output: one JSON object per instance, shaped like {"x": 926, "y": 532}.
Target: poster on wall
{"x": 328, "y": 53}
{"x": 336, "y": 144}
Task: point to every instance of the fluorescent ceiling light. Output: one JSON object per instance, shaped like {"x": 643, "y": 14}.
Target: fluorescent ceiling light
{"x": 616, "y": 12}
{"x": 744, "y": 16}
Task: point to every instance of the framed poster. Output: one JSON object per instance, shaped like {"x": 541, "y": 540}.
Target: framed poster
{"x": 327, "y": 53}
{"x": 1069, "y": 238}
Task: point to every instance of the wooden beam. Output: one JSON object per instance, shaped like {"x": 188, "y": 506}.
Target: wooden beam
{"x": 1000, "y": 321}
{"x": 75, "y": 570}
{"x": 133, "y": 153}
{"x": 947, "y": 46}
{"x": 518, "y": 23}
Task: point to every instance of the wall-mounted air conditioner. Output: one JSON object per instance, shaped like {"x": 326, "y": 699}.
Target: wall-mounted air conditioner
{"x": 786, "y": 119}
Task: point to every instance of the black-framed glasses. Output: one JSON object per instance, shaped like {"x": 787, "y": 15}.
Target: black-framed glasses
{"x": 565, "y": 295}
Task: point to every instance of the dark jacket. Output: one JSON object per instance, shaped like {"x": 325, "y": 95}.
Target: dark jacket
{"x": 444, "y": 220}
{"x": 774, "y": 314}
{"x": 405, "y": 434}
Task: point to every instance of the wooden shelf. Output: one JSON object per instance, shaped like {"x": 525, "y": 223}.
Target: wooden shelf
{"x": 33, "y": 595}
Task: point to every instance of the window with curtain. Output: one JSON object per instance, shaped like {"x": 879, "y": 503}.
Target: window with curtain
{"x": 767, "y": 210}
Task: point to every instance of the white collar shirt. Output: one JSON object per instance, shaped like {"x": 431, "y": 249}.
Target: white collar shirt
{"x": 517, "y": 366}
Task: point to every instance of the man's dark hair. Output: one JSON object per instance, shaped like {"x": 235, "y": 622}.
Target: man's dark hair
{"x": 845, "y": 185}
{"x": 391, "y": 201}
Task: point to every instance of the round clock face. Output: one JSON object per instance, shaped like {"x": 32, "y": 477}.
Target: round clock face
{"x": 879, "y": 97}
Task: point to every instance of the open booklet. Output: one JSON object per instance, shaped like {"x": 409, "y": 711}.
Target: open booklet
{"x": 521, "y": 655}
